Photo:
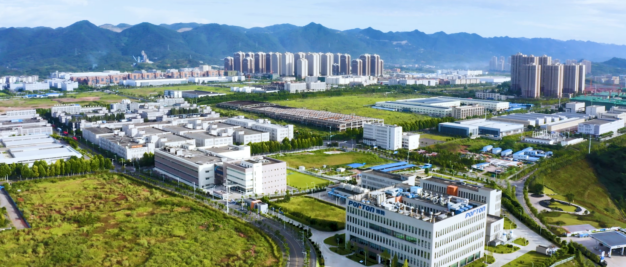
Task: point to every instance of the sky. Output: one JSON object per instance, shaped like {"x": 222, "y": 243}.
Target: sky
{"x": 587, "y": 20}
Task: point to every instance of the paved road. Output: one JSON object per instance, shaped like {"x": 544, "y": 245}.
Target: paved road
{"x": 519, "y": 194}
{"x": 17, "y": 222}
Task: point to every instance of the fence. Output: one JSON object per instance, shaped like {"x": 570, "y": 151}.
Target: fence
{"x": 562, "y": 261}
{"x": 19, "y": 212}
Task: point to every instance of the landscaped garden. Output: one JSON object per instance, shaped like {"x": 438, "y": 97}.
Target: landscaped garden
{"x": 502, "y": 249}
{"x": 313, "y": 212}
{"x": 508, "y": 224}
{"x": 529, "y": 259}
{"x": 521, "y": 241}
{"x": 110, "y": 220}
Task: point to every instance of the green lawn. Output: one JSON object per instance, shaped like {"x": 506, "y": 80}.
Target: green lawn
{"x": 502, "y": 249}
{"x": 570, "y": 219}
{"x": 360, "y": 257}
{"x": 564, "y": 207}
{"x": 303, "y": 181}
{"x": 508, "y": 224}
{"x": 154, "y": 91}
{"x": 332, "y": 241}
{"x": 316, "y": 159}
{"x": 435, "y": 137}
{"x": 521, "y": 241}
{"x": 109, "y": 220}
{"x": 316, "y": 213}
{"x": 358, "y": 105}
{"x": 528, "y": 260}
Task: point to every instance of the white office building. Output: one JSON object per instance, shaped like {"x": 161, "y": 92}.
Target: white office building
{"x": 421, "y": 227}
{"x": 248, "y": 136}
{"x": 410, "y": 141}
{"x": 384, "y": 136}
{"x": 259, "y": 175}
{"x": 295, "y": 87}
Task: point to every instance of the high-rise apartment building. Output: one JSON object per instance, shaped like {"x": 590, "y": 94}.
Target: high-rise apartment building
{"x": 357, "y": 67}
{"x": 268, "y": 62}
{"x": 570, "y": 78}
{"x": 247, "y": 65}
{"x": 337, "y": 60}
{"x": 381, "y": 67}
{"x": 587, "y": 64}
{"x": 530, "y": 80}
{"x": 375, "y": 69}
{"x": 288, "y": 64}
{"x": 276, "y": 59}
{"x": 259, "y": 62}
{"x": 336, "y": 69}
{"x": 229, "y": 63}
{"x": 238, "y": 60}
{"x": 552, "y": 80}
{"x": 517, "y": 65}
{"x": 366, "y": 60}
{"x": 582, "y": 71}
{"x": 314, "y": 64}
{"x": 345, "y": 65}
{"x": 302, "y": 68}
{"x": 298, "y": 55}
{"x": 327, "y": 64}
{"x": 493, "y": 63}
{"x": 571, "y": 61}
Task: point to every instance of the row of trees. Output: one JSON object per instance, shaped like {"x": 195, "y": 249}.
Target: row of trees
{"x": 106, "y": 117}
{"x": 285, "y": 145}
{"x": 42, "y": 169}
{"x": 418, "y": 125}
{"x": 181, "y": 111}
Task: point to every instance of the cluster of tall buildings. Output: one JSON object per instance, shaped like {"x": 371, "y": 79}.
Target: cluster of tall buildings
{"x": 498, "y": 64}
{"x": 540, "y": 76}
{"x": 301, "y": 65}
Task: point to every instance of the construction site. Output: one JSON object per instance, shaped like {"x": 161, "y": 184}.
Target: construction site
{"x": 324, "y": 119}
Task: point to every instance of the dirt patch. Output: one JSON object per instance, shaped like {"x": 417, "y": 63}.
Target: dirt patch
{"x": 252, "y": 250}
{"x": 242, "y": 235}
{"x": 81, "y": 99}
{"x": 202, "y": 227}
{"x": 181, "y": 209}
{"x": 19, "y": 199}
{"x": 121, "y": 197}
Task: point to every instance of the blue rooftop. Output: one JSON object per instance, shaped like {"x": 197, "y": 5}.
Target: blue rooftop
{"x": 356, "y": 165}
{"x": 390, "y": 165}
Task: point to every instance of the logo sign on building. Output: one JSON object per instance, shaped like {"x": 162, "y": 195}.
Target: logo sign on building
{"x": 476, "y": 211}
{"x": 366, "y": 208}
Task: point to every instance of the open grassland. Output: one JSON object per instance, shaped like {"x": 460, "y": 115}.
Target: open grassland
{"x": 435, "y": 137}
{"x": 564, "y": 219}
{"x": 580, "y": 179}
{"x": 357, "y": 105}
{"x": 314, "y": 212}
{"x": 109, "y": 220}
{"x": 563, "y": 207}
{"x": 83, "y": 98}
{"x": 316, "y": 159}
{"x": 304, "y": 181}
{"x": 154, "y": 91}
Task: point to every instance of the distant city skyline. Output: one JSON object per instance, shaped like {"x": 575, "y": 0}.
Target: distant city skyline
{"x": 586, "y": 20}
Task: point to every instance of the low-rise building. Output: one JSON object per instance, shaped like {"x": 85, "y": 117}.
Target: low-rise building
{"x": 374, "y": 180}
{"x": 483, "y": 127}
{"x": 277, "y": 132}
{"x": 410, "y": 141}
{"x": 248, "y": 136}
{"x": 260, "y": 175}
{"x": 575, "y": 107}
{"x": 463, "y": 112}
{"x": 29, "y": 153}
{"x": 599, "y": 127}
{"x": 491, "y": 197}
{"x": 187, "y": 165}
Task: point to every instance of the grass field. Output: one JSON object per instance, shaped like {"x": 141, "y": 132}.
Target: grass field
{"x": 303, "y": 181}
{"x": 316, "y": 159}
{"x": 569, "y": 219}
{"x": 508, "y": 224}
{"x": 580, "y": 179}
{"x": 521, "y": 241}
{"x": 315, "y": 213}
{"x": 435, "y": 137}
{"x": 358, "y": 105}
{"x": 564, "y": 207}
{"x": 109, "y": 220}
{"x": 154, "y": 91}
{"x": 83, "y": 98}
{"x": 528, "y": 260}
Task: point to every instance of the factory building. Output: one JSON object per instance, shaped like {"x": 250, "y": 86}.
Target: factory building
{"x": 563, "y": 125}
{"x": 277, "y": 132}
{"x": 30, "y": 148}
{"x": 410, "y": 141}
{"x": 483, "y": 127}
{"x": 599, "y": 127}
{"x": 192, "y": 167}
{"x": 537, "y": 119}
{"x": 384, "y": 136}
{"x": 420, "y": 226}
{"x": 445, "y": 106}
{"x": 492, "y": 197}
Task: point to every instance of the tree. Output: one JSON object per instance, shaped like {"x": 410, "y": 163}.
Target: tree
{"x": 386, "y": 256}
{"x": 406, "y": 263}
{"x": 569, "y": 197}
{"x": 394, "y": 261}
{"x": 537, "y": 188}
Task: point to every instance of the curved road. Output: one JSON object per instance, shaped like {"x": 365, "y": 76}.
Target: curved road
{"x": 519, "y": 194}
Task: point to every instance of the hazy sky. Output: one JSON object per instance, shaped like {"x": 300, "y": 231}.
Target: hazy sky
{"x": 594, "y": 20}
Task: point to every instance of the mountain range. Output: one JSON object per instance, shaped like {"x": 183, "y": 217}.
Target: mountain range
{"x": 84, "y": 46}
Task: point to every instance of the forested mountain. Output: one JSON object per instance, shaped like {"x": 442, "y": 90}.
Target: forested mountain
{"x": 85, "y": 46}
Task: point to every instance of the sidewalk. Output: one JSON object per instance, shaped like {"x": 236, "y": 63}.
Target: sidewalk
{"x": 522, "y": 230}
{"x": 17, "y": 222}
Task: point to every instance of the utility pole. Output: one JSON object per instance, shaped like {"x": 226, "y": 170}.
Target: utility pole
{"x": 589, "y": 144}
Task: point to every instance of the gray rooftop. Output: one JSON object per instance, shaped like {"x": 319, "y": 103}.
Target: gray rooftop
{"x": 458, "y": 184}
{"x": 598, "y": 121}
{"x": 195, "y": 156}
{"x": 579, "y": 228}
{"x": 387, "y": 175}
{"x": 611, "y": 239}
{"x": 95, "y": 130}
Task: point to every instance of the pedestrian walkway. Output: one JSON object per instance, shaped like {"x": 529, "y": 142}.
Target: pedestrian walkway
{"x": 14, "y": 216}
{"x": 522, "y": 230}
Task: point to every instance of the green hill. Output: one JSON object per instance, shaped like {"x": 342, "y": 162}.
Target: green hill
{"x": 84, "y": 46}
